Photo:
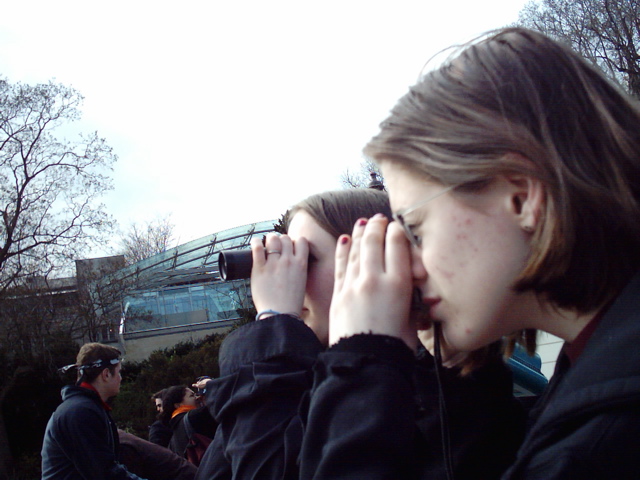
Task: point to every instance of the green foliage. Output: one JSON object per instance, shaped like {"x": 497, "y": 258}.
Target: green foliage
{"x": 179, "y": 365}
{"x": 33, "y": 391}
{"x": 27, "y": 467}
{"x": 29, "y": 394}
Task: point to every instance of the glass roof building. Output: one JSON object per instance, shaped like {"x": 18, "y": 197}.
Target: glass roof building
{"x": 179, "y": 292}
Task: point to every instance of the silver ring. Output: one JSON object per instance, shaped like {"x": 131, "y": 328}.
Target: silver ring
{"x": 269, "y": 252}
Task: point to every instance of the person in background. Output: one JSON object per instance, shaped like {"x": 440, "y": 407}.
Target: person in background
{"x": 513, "y": 171}
{"x": 180, "y": 410}
{"x": 159, "y": 432}
{"x": 81, "y": 438}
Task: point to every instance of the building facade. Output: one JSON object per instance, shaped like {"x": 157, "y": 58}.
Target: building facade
{"x": 178, "y": 296}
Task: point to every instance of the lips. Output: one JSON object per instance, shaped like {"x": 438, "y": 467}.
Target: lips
{"x": 421, "y": 313}
{"x": 430, "y": 302}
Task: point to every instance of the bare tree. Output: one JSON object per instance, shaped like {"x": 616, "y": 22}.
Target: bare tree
{"x": 362, "y": 178}
{"x": 49, "y": 213}
{"x": 144, "y": 241}
{"x": 49, "y": 187}
{"x": 607, "y": 32}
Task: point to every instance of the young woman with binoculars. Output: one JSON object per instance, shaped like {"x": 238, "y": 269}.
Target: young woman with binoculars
{"x": 513, "y": 171}
{"x": 266, "y": 366}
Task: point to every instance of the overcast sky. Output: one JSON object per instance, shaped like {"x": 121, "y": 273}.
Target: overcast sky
{"x": 226, "y": 113}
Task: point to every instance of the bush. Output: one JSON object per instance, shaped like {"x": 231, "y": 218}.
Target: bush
{"x": 27, "y": 467}
{"x": 180, "y": 365}
{"x": 34, "y": 393}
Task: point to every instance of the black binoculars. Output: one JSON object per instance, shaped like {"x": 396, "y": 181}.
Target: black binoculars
{"x": 235, "y": 264}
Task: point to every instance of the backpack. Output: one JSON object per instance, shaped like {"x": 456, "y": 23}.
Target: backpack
{"x": 197, "y": 444}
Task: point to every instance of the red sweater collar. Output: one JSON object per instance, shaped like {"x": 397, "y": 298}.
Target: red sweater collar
{"x": 574, "y": 349}
{"x": 88, "y": 386}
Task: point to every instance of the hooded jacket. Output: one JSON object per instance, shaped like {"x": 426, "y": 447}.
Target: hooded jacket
{"x": 81, "y": 440}
{"x": 587, "y": 426}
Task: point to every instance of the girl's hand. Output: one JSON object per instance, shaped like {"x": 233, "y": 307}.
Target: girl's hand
{"x": 279, "y": 273}
{"x": 373, "y": 284}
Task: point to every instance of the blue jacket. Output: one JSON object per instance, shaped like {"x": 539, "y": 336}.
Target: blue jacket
{"x": 81, "y": 440}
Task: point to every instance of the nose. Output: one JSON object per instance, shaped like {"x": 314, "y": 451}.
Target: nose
{"x": 418, "y": 270}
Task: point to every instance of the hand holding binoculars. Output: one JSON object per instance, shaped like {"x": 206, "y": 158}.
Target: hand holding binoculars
{"x": 237, "y": 264}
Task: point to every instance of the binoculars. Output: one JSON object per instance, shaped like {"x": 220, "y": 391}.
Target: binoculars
{"x": 235, "y": 264}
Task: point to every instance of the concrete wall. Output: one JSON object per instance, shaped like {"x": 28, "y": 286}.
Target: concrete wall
{"x": 138, "y": 346}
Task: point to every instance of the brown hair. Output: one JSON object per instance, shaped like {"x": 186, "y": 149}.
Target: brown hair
{"x": 337, "y": 211}
{"x": 94, "y": 352}
{"x": 159, "y": 394}
{"x": 518, "y": 92}
{"x": 172, "y": 396}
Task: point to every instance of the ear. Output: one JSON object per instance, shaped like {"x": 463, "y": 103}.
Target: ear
{"x": 526, "y": 200}
{"x": 104, "y": 375}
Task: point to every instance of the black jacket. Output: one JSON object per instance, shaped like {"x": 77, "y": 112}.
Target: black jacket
{"x": 265, "y": 370}
{"x": 587, "y": 426}
{"x": 374, "y": 414}
{"x": 160, "y": 433}
{"x": 202, "y": 423}
{"x": 261, "y": 402}
{"x": 81, "y": 440}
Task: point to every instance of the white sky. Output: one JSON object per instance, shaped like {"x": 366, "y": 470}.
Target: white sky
{"x": 226, "y": 113}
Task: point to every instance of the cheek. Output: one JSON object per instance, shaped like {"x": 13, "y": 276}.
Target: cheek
{"x": 455, "y": 248}
{"x": 466, "y": 239}
{"x": 320, "y": 287}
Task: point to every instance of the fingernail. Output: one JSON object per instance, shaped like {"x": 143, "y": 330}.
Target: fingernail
{"x": 362, "y": 222}
{"x": 344, "y": 240}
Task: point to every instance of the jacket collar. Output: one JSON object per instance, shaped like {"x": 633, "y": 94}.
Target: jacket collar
{"x": 608, "y": 370}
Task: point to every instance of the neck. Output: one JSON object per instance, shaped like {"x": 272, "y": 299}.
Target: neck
{"x": 563, "y": 323}
{"x": 95, "y": 386}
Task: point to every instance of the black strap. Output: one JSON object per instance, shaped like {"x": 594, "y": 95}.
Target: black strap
{"x": 188, "y": 426}
{"x": 444, "y": 417}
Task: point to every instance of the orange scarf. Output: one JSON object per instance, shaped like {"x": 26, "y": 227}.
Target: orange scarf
{"x": 182, "y": 409}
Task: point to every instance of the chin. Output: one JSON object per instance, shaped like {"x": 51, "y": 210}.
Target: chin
{"x": 463, "y": 343}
